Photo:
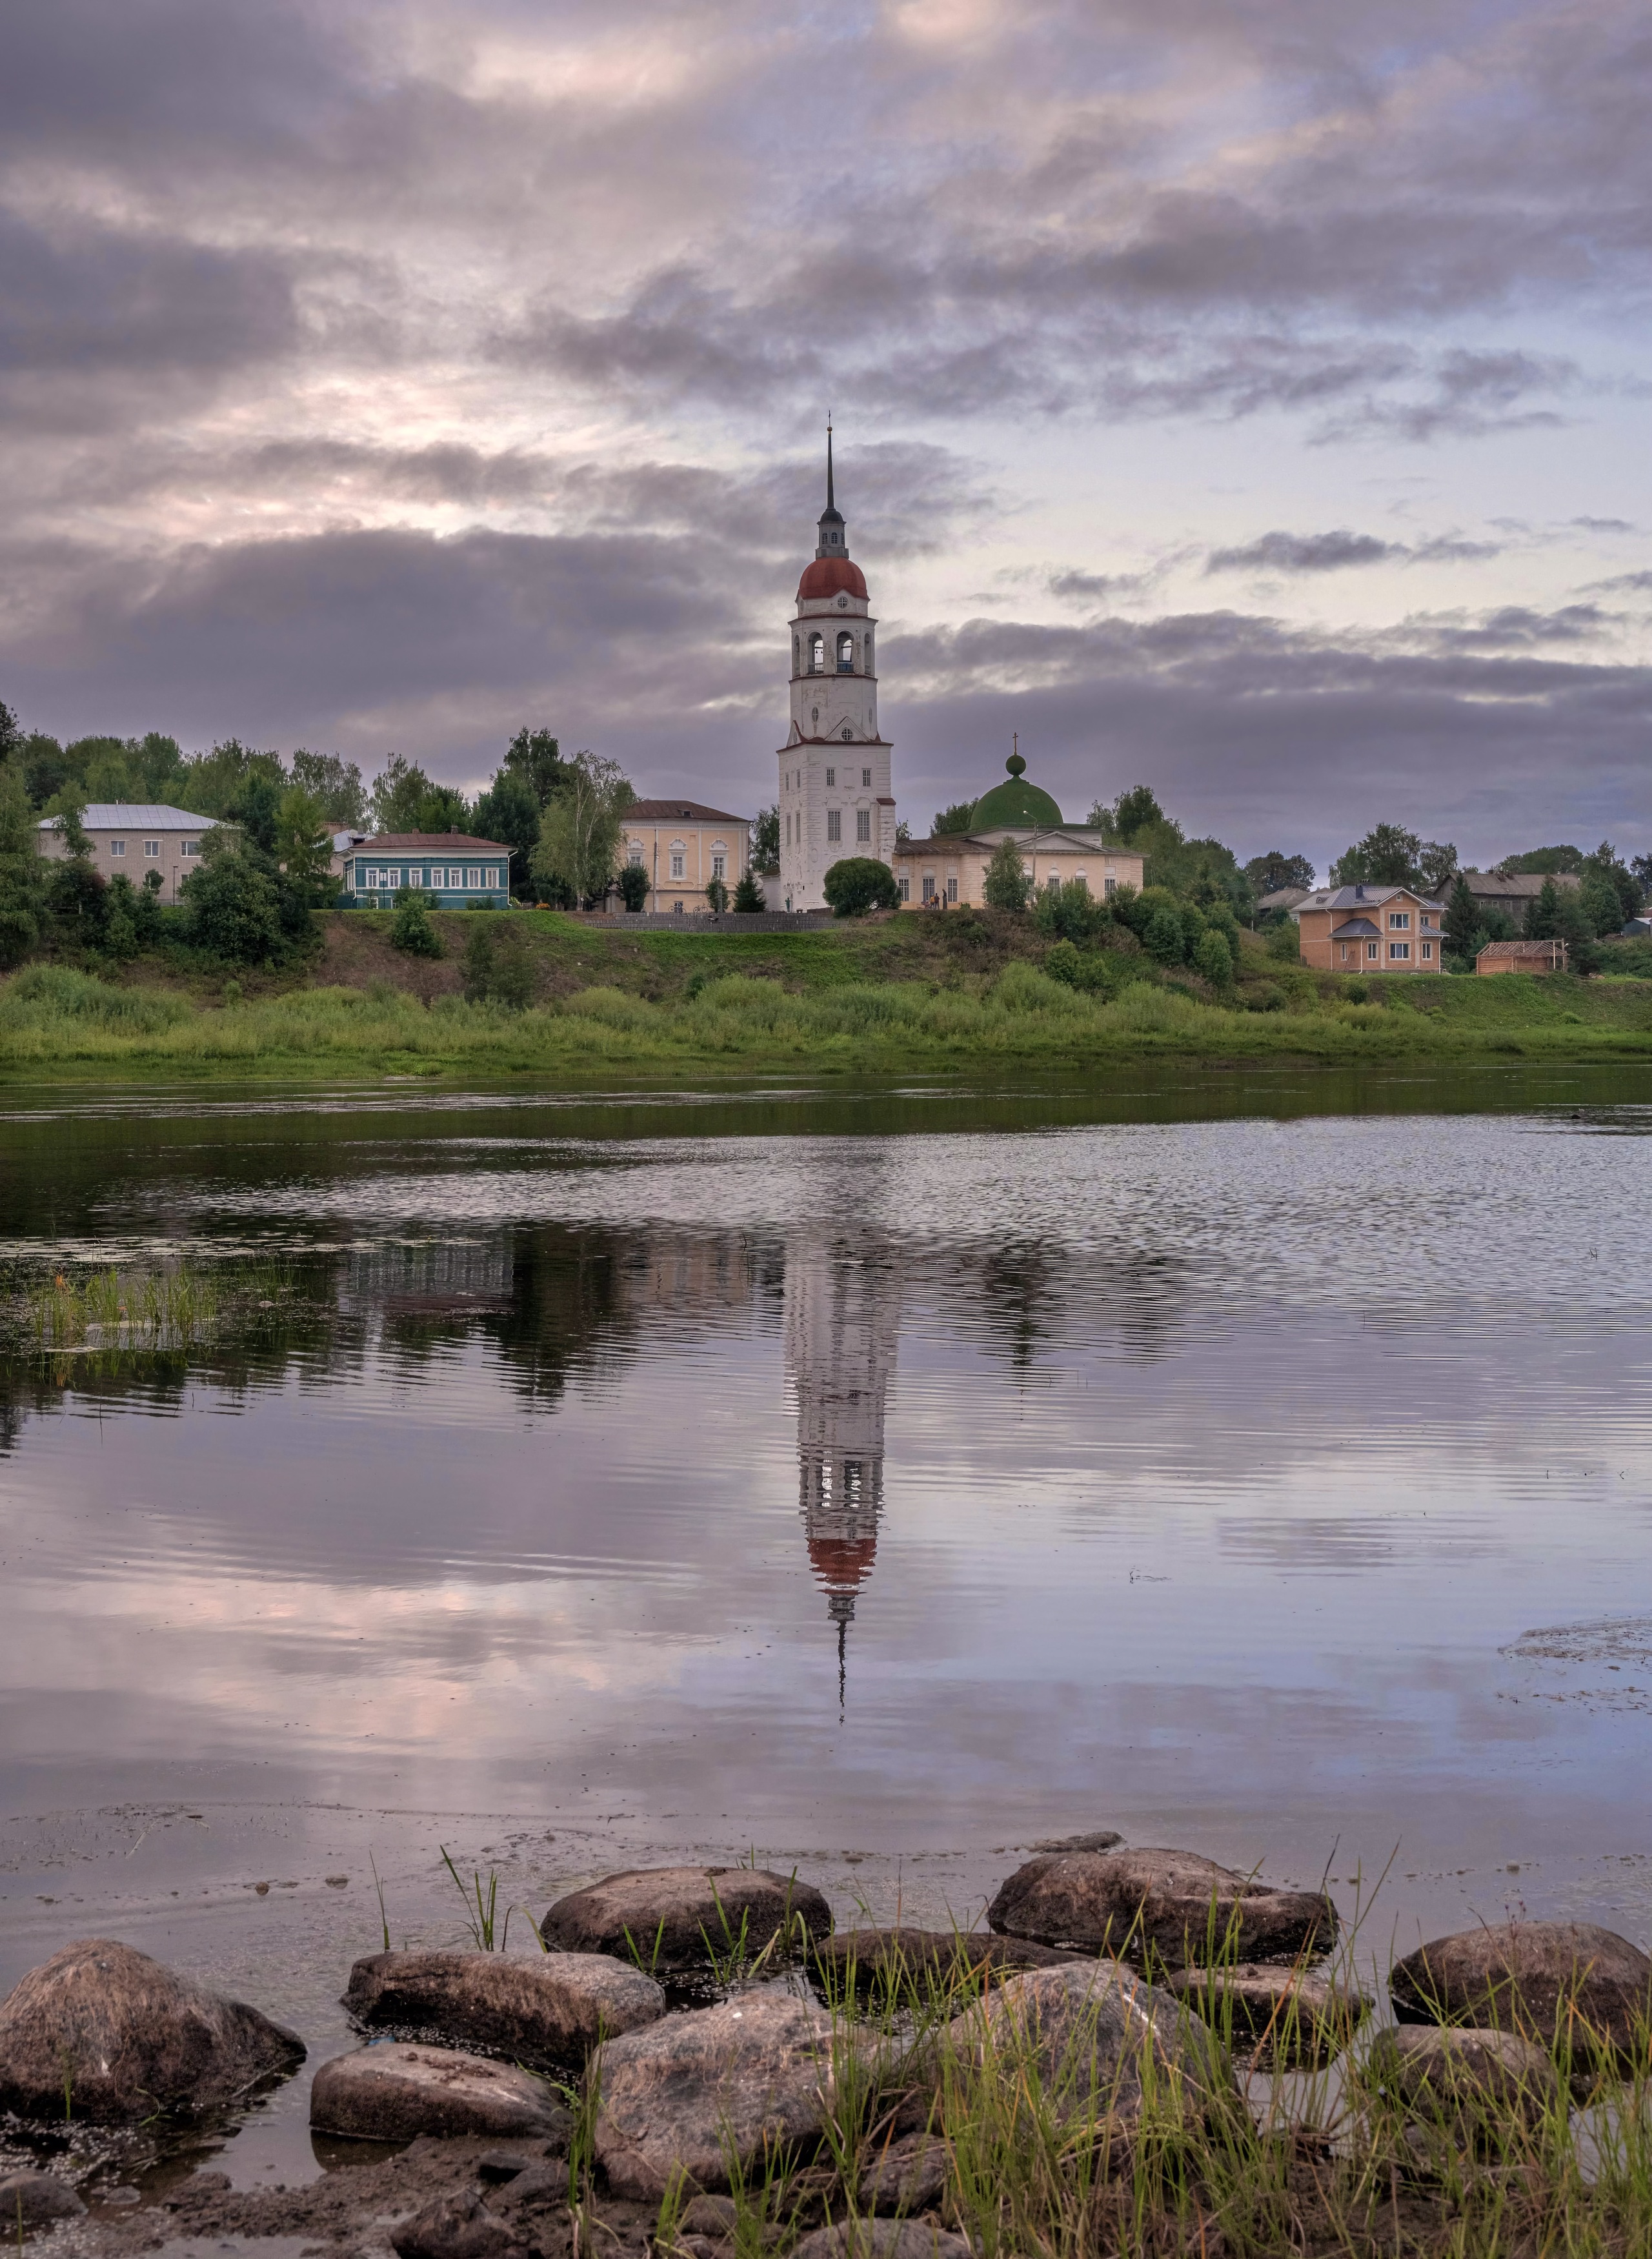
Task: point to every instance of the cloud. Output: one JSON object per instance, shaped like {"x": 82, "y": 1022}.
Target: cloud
{"x": 1336, "y": 551}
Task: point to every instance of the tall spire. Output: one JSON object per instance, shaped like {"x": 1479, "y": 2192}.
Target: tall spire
{"x": 830, "y": 504}
{"x": 834, "y": 541}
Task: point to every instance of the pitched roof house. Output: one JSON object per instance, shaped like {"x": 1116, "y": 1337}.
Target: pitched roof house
{"x": 1370, "y": 928}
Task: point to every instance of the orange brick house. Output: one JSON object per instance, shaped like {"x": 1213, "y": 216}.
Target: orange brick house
{"x": 1370, "y": 928}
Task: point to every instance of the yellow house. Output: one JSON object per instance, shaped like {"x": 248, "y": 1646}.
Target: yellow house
{"x": 1370, "y": 928}
{"x": 947, "y": 870}
{"x": 683, "y": 846}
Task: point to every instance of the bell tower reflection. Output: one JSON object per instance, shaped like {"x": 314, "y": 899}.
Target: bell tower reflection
{"x": 843, "y": 1324}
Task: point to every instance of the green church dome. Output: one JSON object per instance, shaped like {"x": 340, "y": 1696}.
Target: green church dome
{"x": 1018, "y": 804}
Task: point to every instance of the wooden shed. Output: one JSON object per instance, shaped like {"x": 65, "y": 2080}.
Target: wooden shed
{"x": 1522, "y": 957}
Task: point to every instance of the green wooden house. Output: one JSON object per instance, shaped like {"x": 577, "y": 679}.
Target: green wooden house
{"x": 452, "y": 869}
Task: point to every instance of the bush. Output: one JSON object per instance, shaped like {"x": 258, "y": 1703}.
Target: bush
{"x": 410, "y": 929}
{"x": 633, "y": 885}
{"x": 1284, "y": 943}
{"x": 1063, "y": 962}
{"x": 717, "y": 897}
{"x": 231, "y": 908}
{"x": 496, "y": 968}
{"x": 1071, "y": 913}
{"x": 749, "y": 895}
{"x": 1213, "y": 960}
{"x": 1263, "y": 996}
{"x": 861, "y": 883}
{"x": 1164, "y": 938}
{"x": 1356, "y": 991}
{"x": 1007, "y": 884}
{"x": 76, "y": 895}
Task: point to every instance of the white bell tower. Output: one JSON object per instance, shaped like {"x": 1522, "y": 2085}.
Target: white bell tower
{"x": 836, "y": 796}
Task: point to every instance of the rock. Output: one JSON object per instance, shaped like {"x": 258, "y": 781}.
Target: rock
{"x": 131, "y": 2037}
{"x": 456, "y": 2226}
{"x": 539, "y": 2186}
{"x": 753, "y": 2074}
{"x": 710, "y": 2215}
{"x": 395, "y": 2092}
{"x": 1300, "y": 2015}
{"x": 1170, "y": 1905}
{"x": 496, "y": 2166}
{"x": 907, "y": 2176}
{"x": 554, "y": 2009}
{"x": 1091, "y": 2028}
{"x": 1464, "y": 2078}
{"x": 1568, "y": 1983}
{"x": 35, "y": 2200}
{"x": 665, "y": 1917}
{"x": 927, "y": 1960}
{"x": 884, "y": 2239}
{"x": 1100, "y": 1839}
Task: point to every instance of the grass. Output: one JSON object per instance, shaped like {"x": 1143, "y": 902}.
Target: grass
{"x": 53, "y": 1017}
{"x": 111, "y": 1313}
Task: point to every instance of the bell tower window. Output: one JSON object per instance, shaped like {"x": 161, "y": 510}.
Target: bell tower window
{"x": 845, "y": 654}
{"x": 817, "y": 654}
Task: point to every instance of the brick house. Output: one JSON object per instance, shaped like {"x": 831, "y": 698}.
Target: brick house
{"x": 1370, "y": 928}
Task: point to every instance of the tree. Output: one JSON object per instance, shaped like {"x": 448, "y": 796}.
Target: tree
{"x": 1213, "y": 960}
{"x": 214, "y": 783}
{"x": 1007, "y": 884}
{"x": 1542, "y": 919}
{"x": 1461, "y": 925}
{"x": 336, "y": 784}
{"x": 1284, "y": 943}
{"x": 958, "y": 817}
{"x": 1131, "y": 813}
{"x": 765, "y": 841}
{"x": 1598, "y": 898}
{"x": 580, "y": 832}
{"x": 1269, "y": 873}
{"x": 1438, "y": 864}
{"x": 120, "y": 923}
{"x": 633, "y": 886}
{"x": 860, "y": 883}
{"x": 1387, "y": 856}
{"x": 410, "y": 929}
{"x": 748, "y": 896}
{"x": 11, "y": 736}
{"x": 231, "y": 904}
{"x": 304, "y": 845}
{"x": 400, "y": 791}
{"x": 1537, "y": 860}
{"x": 536, "y": 758}
{"x": 497, "y": 967}
{"x": 1606, "y": 863}
{"x": 22, "y": 871}
{"x": 717, "y": 896}
{"x": 1164, "y": 938}
{"x": 1071, "y": 913}
{"x": 509, "y": 812}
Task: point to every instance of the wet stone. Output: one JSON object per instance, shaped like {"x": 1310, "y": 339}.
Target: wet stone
{"x": 1088, "y": 2030}
{"x": 1461, "y": 2077}
{"x": 907, "y": 2177}
{"x": 678, "y": 1918}
{"x": 884, "y": 2239}
{"x": 554, "y": 2008}
{"x": 129, "y": 2036}
{"x": 1299, "y": 2015}
{"x": 397, "y": 2092}
{"x": 457, "y": 2227}
{"x": 926, "y": 1960}
{"x": 35, "y": 2200}
{"x": 1168, "y": 1907}
{"x": 1548, "y": 1981}
{"x": 1098, "y": 1839}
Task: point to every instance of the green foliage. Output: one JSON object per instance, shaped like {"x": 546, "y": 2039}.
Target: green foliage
{"x": 304, "y": 845}
{"x": 410, "y": 929}
{"x": 1544, "y": 859}
{"x": 335, "y": 785}
{"x": 1263, "y": 996}
{"x": 404, "y": 799}
{"x": 1284, "y": 943}
{"x": 120, "y": 921}
{"x": 1387, "y": 856}
{"x": 717, "y": 896}
{"x": 233, "y": 906}
{"x": 1071, "y": 912}
{"x": 633, "y": 886}
{"x": 580, "y": 832}
{"x": 535, "y": 757}
{"x": 765, "y": 842}
{"x": 1162, "y": 935}
{"x": 1600, "y": 902}
{"x": 1461, "y": 925}
{"x": 218, "y": 783}
{"x": 509, "y": 811}
{"x": 860, "y": 883}
{"x": 1267, "y": 873}
{"x": 10, "y": 735}
{"x": 1007, "y": 884}
{"x": 958, "y": 817}
{"x": 1213, "y": 960}
{"x": 496, "y": 968}
{"x": 1063, "y": 962}
{"x": 22, "y": 871}
{"x": 75, "y": 897}
{"x": 749, "y": 895}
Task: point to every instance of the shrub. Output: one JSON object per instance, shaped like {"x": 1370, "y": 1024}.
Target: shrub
{"x": 861, "y": 883}
{"x": 1164, "y": 938}
{"x": 1007, "y": 884}
{"x": 1063, "y": 963}
{"x": 749, "y": 895}
{"x": 1213, "y": 960}
{"x": 496, "y": 968}
{"x": 410, "y": 929}
{"x": 1285, "y": 942}
{"x": 717, "y": 896}
{"x": 232, "y": 908}
{"x": 633, "y": 885}
{"x": 1356, "y": 991}
{"x": 1263, "y": 996}
{"x": 1071, "y": 913}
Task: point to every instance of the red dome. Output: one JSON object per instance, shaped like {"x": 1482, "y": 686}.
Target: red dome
{"x": 832, "y": 576}
{"x": 842, "y": 1563}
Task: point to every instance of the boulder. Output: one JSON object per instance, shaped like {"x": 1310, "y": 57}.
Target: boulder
{"x": 927, "y": 1960}
{"x": 553, "y": 2009}
{"x": 1098, "y": 1839}
{"x": 884, "y": 2239}
{"x": 678, "y": 1917}
{"x": 35, "y": 2200}
{"x": 130, "y": 2037}
{"x": 1299, "y": 2015}
{"x": 458, "y": 2226}
{"x": 396, "y": 2091}
{"x": 1096, "y": 2035}
{"x": 1566, "y": 1984}
{"x": 681, "y": 2098}
{"x": 1170, "y": 1906}
{"x": 1464, "y": 2078}
{"x": 907, "y": 2177}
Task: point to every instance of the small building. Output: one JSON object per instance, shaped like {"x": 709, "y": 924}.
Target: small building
{"x": 1522, "y": 957}
{"x": 947, "y": 870}
{"x": 136, "y": 837}
{"x": 1370, "y": 928}
{"x": 683, "y": 845}
{"x": 343, "y": 843}
{"x": 1511, "y": 893}
{"x": 1284, "y": 898}
{"x": 456, "y": 871}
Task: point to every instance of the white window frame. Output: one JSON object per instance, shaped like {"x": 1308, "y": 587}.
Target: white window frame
{"x": 118, "y": 847}
{"x": 190, "y": 847}
{"x": 473, "y": 878}
{"x": 1399, "y": 952}
{"x": 152, "y": 851}
{"x": 1373, "y": 950}
{"x": 1428, "y": 952}
{"x": 863, "y": 826}
{"x": 1400, "y": 921}
{"x": 834, "y": 827}
{"x": 719, "y": 866}
{"x": 865, "y": 776}
{"x": 831, "y": 777}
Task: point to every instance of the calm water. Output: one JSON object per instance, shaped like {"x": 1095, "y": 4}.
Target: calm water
{"x": 883, "y": 1481}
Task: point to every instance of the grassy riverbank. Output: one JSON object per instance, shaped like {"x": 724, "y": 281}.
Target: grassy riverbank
{"x": 869, "y": 997}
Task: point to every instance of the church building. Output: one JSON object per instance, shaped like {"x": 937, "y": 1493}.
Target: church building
{"x": 835, "y": 797}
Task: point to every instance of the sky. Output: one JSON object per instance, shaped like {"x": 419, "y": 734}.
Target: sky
{"x": 1244, "y": 397}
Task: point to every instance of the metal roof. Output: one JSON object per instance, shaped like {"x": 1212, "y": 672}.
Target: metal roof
{"x": 134, "y": 816}
{"x": 1361, "y": 927}
{"x": 1358, "y": 898}
{"x": 426, "y": 842}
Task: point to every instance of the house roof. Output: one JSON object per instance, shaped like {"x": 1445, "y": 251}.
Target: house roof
{"x": 678, "y": 811}
{"x": 1361, "y": 929}
{"x": 1516, "y": 885}
{"x": 1361, "y": 898}
{"x": 1516, "y": 949}
{"x": 134, "y": 816}
{"x": 1282, "y": 898}
{"x": 1085, "y": 838}
{"x": 427, "y": 842}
